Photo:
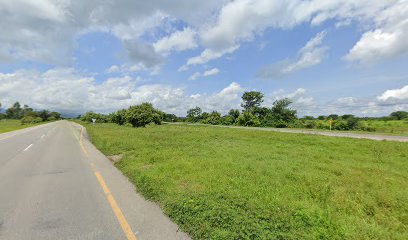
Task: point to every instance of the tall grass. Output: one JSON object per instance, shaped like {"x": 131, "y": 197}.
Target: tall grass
{"x": 218, "y": 183}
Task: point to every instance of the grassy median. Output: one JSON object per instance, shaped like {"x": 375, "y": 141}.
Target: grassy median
{"x": 218, "y": 183}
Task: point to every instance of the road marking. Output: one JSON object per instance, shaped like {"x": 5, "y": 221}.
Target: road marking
{"x": 118, "y": 213}
{"x": 112, "y": 202}
{"x": 28, "y": 147}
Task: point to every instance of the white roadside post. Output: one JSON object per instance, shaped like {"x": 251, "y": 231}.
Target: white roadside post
{"x": 93, "y": 120}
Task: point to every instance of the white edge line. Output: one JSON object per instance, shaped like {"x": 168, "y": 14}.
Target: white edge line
{"x": 28, "y": 147}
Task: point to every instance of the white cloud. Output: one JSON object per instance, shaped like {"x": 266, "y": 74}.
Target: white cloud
{"x": 395, "y": 95}
{"x": 58, "y": 24}
{"x": 242, "y": 20}
{"x": 387, "y": 40}
{"x": 211, "y": 72}
{"x": 78, "y": 92}
{"x": 221, "y": 25}
{"x": 196, "y": 75}
{"x": 310, "y": 55}
{"x": 208, "y": 55}
{"x": 177, "y": 41}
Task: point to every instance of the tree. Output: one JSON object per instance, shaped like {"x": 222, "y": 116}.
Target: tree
{"x": 251, "y": 100}
{"x": 234, "y": 113}
{"x": 214, "y": 118}
{"x": 44, "y": 114}
{"x": 143, "y": 114}
{"x": 119, "y": 117}
{"x": 333, "y": 116}
{"x": 15, "y": 112}
{"x": 308, "y": 118}
{"x": 347, "y": 116}
{"x": 281, "y": 114}
{"x": 204, "y": 116}
{"x": 399, "y": 115}
{"x": 170, "y": 118}
{"x": 100, "y": 118}
{"x": 248, "y": 119}
{"x": 194, "y": 114}
{"x": 55, "y": 115}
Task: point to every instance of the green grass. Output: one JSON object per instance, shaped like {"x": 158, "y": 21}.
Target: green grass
{"x": 7, "y": 125}
{"x": 393, "y": 127}
{"x": 219, "y": 183}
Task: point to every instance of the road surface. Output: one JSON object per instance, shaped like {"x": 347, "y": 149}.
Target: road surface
{"x": 55, "y": 184}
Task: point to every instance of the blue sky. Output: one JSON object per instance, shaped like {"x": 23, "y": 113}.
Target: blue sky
{"x": 329, "y": 57}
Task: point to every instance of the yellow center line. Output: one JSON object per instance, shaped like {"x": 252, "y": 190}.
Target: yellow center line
{"x": 111, "y": 200}
{"x": 118, "y": 213}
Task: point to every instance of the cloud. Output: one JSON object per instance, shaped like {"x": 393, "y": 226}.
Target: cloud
{"x": 195, "y": 76}
{"x": 78, "y": 92}
{"x": 242, "y": 20}
{"x": 57, "y": 24}
{"x": 221, "y": 25}
{"x": 208, "y": 55}
{"x": 142, "y": 54}
{"x": 211, "y": 72}
{"x": 394, "y": 96}
{"x": 310, "y": 55}
{"x": 177, "y": 41}
{"x": 387, "y": 40}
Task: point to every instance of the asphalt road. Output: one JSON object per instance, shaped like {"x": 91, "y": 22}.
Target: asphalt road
{"x": 54, "y": 184}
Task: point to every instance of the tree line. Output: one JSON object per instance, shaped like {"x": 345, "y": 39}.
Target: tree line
{"x": 280, "y": 115}
{"x": 253, "y": 114}
{"x": 135, "y": 116}
{"x": 28, "y": 115}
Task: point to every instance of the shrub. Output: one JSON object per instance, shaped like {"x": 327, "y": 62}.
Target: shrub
{"x": 143, "y": 114}
{"x": 214, "y": 118}
{"x": 227, "y": 120}
{"x": 248, "y": 119}
{"x": 30, "y": 120}
{"x": 340, "y": 125}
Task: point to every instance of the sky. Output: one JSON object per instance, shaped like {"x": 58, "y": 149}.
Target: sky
{"x": 337, "y": 56}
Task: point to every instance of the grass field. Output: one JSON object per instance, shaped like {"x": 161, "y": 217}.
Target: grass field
{"x": 218, "y": 183}
{"x": 11, "y": 125}
{"x": 394, "y": 127}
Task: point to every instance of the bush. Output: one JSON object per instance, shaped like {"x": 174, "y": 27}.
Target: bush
{"x": 248, "y": 119}
{"x": 227, "y": 120}
{"x": 214, "y": 118}
{"x": 143, "y": 114}
{"x": 118, "y": 117}
{"x": 340, "y": 125}
{"x": 100, "y": 118}
{"x": 30, "y": 120}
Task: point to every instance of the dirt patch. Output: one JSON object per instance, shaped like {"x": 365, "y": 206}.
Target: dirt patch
{"x": 115, "y": 158}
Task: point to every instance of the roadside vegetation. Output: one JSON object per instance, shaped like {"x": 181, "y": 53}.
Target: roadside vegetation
{"x": 219, "y": 183}
{"x": 7, "y": 125}
{"x": 26, "y": 115}
{"x": 253, "y": 114}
